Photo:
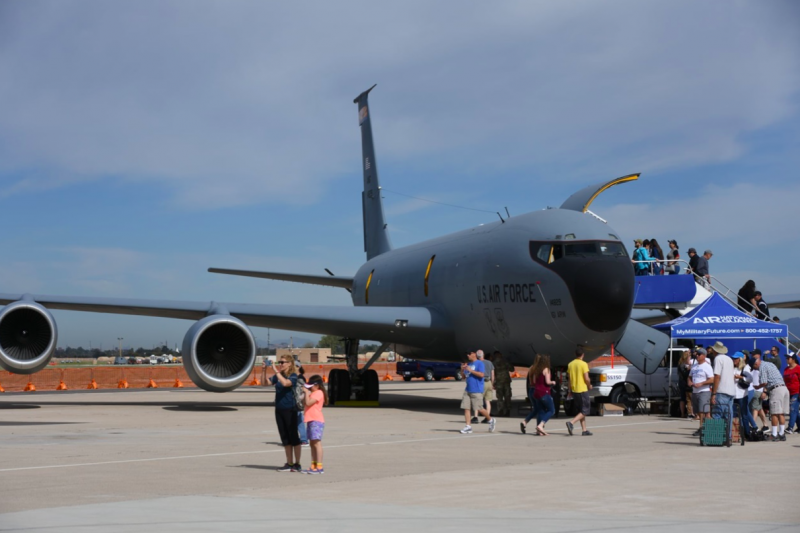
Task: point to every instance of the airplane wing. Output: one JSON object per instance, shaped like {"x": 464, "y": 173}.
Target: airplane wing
{"x": 410, "y": 325}
{"x": 330, "y": 281}
{"x": 784, "y": 301}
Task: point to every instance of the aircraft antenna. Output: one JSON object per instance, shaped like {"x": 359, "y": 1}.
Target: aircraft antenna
{"x": 507, "y": 213}
{"x": 501, "y": 217}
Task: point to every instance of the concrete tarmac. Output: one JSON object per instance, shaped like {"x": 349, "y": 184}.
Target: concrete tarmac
{"x": 187, "y": 460}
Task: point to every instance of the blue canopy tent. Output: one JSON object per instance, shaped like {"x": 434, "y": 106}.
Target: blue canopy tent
{"x": 716, "y": 319}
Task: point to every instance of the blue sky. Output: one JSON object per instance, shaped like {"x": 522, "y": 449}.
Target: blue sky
{"x": 142, "y": 143}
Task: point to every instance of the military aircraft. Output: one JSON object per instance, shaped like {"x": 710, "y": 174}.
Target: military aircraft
{"x": 542, "y": 282}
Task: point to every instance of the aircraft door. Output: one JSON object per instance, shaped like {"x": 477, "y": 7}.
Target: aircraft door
{"x": 643, "y": 346}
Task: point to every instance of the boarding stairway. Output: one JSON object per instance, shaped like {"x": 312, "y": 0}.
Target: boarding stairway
{"x": 676, "y": 295}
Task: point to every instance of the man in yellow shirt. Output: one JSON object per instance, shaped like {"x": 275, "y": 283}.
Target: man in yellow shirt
{"x": 579, "y": 384}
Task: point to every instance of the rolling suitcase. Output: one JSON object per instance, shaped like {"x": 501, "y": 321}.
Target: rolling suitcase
{"x": 716, "y": 428}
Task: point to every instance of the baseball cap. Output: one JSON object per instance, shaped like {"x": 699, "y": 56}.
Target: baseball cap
{"x": 737, "y": 355}
{"x": 308, "y": 385}
{"x": 673, "y": 241}
{"x": 709, "y": 252}
{"x": 702, "y": 351}
{"x": 692, "y": 251}
{"x": 637, "y": 241}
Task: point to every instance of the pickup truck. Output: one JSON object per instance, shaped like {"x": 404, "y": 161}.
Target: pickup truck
{"x": 608, "y": 384}
{"x": 428, "y": 370}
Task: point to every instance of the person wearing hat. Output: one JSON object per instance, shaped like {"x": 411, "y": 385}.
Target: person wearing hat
{"x": 791, "y": 376}
{"x": 742, "y": 374}
{"x": 772, "y": 382}
{"x": 701, "y": 376}
{"x": 315, "y": 397}
{"x": 723, "y": 391}
{"x": 641, "y": 259}
{"x": 672, "y": 266}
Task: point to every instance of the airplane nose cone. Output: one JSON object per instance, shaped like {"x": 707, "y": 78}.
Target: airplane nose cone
{"x": 603, "y": 294}
{"x": 602, "y": 291}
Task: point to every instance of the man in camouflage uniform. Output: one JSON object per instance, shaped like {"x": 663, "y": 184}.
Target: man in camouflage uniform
{"x": 502, "y": 377}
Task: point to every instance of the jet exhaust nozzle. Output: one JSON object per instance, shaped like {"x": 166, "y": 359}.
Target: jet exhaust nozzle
{"x": 28, "y": 336}
{"x": 219, "y": 352}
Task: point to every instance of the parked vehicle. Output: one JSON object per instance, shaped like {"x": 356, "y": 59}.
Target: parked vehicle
{"x": 120, "y": 360}
{"x": 608, "y": 384}
{"x": 428, "y": 370}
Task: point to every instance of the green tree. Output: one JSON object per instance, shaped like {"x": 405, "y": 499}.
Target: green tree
{"x": 308, "y": 345}
{"x": 333, "y": 342}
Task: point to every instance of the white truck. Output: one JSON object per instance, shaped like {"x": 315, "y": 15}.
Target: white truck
{"x": 608, "y": 384}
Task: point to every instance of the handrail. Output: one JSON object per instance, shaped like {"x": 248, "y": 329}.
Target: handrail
{"x": 706, "y": 282}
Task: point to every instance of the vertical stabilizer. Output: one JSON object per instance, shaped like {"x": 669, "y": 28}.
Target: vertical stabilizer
{"x": 376, "y": 238}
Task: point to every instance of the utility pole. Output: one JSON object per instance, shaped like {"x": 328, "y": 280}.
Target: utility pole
{"x": 120, "y": 345}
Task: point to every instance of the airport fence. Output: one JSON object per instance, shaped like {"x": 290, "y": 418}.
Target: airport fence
{"x": 173, "y": 376}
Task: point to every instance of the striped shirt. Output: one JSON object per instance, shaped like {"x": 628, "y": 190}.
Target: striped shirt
{"x": 770, "y": 375}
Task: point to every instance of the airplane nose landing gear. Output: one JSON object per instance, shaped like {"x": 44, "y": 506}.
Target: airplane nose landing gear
{"x": 354, "y": 384}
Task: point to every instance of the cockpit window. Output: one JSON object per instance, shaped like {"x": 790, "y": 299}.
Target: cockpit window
{"x": 549, "y": 252}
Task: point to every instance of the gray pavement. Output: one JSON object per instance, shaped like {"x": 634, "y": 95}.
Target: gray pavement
{"x": 186, "y": 460}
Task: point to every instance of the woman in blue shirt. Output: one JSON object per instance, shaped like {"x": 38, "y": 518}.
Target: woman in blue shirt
{"x": 285, "y": 379}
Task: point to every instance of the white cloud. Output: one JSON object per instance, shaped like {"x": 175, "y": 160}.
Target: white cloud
{"x": 230, "y": 104}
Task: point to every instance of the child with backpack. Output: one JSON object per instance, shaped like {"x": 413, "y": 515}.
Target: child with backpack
{"x": 315, "y": 398}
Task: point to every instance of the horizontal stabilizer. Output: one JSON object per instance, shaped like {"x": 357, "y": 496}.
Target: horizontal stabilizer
{"x": 643, "y": 346}
{"x": 330, "y": 281}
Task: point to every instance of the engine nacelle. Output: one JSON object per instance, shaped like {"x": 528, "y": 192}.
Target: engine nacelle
{"x": 28, "y": 337}
{"x": 219, "y": 352}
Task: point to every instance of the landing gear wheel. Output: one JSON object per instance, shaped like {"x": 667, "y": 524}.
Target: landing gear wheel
{"x": 429, "y": 375}
{"x": 369, "y": 379}
{"x": 338, "y": 385}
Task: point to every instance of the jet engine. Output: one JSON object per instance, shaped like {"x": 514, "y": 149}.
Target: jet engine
{"x": 28, "y": 336}
{"x": 219, "y": 352}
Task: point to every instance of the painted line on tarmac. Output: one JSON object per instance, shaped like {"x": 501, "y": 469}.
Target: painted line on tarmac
{"x": 280, "y": 450}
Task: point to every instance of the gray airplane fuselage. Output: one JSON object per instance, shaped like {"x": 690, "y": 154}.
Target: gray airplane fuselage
{"x": 491, "y": 286}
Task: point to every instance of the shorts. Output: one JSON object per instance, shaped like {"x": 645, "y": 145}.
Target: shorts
{"x": 779, "y": 401}
{"x": 287, "y": 426}
{"x": 488, "y": 391}
{"x": 315, "y": 429}
{"x": 755, "y": 403}
{"x": 472, "y": 401}
{"x": 582, "y": 402}
{"x": 701, "y": 402}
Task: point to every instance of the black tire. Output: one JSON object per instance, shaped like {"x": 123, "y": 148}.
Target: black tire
{"x": 338, "y": 385}
{"x": 371, "y": 385}
{"x": 428, "y": 374}
{"x": 438, "y": 378}
{"x": 619, "y": 395}
{"x": 459, "y": 376}
{"x": 406, "y": 378}
{"x": 333, "y": 385}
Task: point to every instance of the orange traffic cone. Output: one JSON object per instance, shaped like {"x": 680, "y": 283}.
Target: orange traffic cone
{"x": 2, "y": 389}
{"x": 92, "y": 385}
{"x": 30, "y": 387}
{"x": 255, "y": 380}
{"x": 324, "y": 378}
{"x": 388, "y": 377}
{"x": 178, "y": 384}
{"x": 152, "y": 384}
{"x": 61, "y": 385}
{"x": 515, "y": 374}
{"x": 123, "y": 384}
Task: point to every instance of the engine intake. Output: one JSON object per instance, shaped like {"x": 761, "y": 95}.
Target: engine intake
{"x": 28, "y": 336}
{"x": 219, "y": 352}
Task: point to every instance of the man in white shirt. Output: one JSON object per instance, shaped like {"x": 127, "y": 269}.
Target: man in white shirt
{"x": 724, "y": 388}
{"x": 701, "y": 376}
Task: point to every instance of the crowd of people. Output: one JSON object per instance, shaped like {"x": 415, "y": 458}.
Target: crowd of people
{"x": 712, "y": 383}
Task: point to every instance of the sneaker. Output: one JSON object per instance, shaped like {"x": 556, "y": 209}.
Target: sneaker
{"x": 765, "y": 429}
{"x": 782, "y": 438}
{"x": 587, "y": 433}
{"x": 696, "y": 433}
{"x": 467, "y": 429}
{"x": 485, "y": 421}
{"x": 286, "y": 468}
{"x": 304, "y": 444}
{"x": 492, "y": 424}
{"x": 297, "y": 468}
{"x": 570, "y": 427}
{"x": 789, "y": 432}
{"x": 774, "y": 438}
{"x": 474, "y": 420}
{"x": 522, "y": 427}
{"x": 312, "y": 471}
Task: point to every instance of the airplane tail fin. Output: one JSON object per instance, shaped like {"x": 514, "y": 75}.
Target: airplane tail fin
{"x": 376, "y": 238}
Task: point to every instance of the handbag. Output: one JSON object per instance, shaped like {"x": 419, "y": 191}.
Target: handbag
{"x": 745, "y": 381}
